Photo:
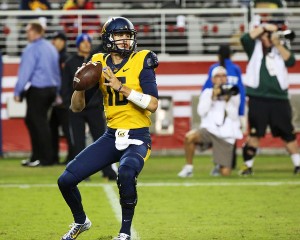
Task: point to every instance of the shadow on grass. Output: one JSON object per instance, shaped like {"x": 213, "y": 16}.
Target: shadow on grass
{"x": 105, "y": 238}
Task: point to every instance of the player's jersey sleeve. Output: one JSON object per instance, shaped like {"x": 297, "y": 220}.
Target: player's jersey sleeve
{"x": 148, "y": 77}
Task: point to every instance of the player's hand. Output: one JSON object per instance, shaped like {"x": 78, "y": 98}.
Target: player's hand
{"x": 112, "y": 80}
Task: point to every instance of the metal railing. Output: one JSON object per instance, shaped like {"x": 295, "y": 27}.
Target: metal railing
{"x": 165, "y": 31}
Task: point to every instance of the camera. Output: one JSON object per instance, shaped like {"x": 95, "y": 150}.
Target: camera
{"x": 229, "y": 90}
{"x": 287, "y": 34}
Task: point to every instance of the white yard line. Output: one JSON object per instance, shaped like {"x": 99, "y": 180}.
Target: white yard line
{"x": 161, "y": 184}
{"x": 114, "y": 202}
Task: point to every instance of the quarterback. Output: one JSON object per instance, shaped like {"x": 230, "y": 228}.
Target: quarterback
{"x": 128, "y": 84}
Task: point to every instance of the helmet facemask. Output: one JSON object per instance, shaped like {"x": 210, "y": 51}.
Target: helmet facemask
{"x": 122, "y": 49}
{"x": 116, "y": 26}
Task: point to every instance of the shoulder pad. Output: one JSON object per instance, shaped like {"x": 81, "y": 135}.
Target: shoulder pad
{"x": 151, "y": 60}
{"x": 98, "y": 57}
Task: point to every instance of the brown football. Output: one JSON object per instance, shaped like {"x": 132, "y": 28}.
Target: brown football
{"x": 87, "y": 76}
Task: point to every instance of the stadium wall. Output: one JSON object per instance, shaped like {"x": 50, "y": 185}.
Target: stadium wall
{"x": 180, "y": 79}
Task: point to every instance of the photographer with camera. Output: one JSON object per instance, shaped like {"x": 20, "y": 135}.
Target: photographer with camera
{"x": 267, "y": 88}
{"x": 220, "y": 125}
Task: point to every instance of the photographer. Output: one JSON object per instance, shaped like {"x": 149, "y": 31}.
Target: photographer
{"x": 220, "y": 125}
{"x": 267, "y": 88}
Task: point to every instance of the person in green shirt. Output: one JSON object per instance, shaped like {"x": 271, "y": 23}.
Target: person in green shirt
{"x": 267, "y": 85}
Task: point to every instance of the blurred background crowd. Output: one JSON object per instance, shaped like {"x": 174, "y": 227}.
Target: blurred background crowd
{"x": 165, "y": 30}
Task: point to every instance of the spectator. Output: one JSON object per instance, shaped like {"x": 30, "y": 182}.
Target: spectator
{"x": 38, "y": 81}
{"x": 35, "y": 5}
{"x": 60, "y": 112}
{"x": 219, "y": 128}
{"x": 234, "y": 74}
{"x": 234, "y": 78}
{"x": 267, "y": 89}
{"x": 130, "y": 95}
{"x": 93, "y": 113}
{"x": 268, "y": 4}
{"x": 90, "y": 23}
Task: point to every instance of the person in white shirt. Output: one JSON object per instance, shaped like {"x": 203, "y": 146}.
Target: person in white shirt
{"x": 220, "y": 125}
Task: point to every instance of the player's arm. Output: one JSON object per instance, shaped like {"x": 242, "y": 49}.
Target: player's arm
{"x": 78, "y": 101}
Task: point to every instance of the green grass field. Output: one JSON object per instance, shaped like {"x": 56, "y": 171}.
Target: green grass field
{"x": 264, "y": 206}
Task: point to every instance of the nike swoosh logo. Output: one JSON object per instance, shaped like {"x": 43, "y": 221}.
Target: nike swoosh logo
{"x": 124, "y": 70}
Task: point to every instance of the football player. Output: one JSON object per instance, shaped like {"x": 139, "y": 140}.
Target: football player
{"x": 128, "y": 84}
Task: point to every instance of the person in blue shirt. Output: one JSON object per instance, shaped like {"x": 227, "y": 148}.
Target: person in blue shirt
{"x": 234, "y": 78}
{"x": 234, "y": 74}
{"x": 38, "y": 82}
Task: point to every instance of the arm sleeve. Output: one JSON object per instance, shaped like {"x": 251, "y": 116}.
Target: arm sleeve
{"x": 205, "y": 102}
{"x": 248, "y": 44}
{"x": 147, "y": 75}
{"x": 26, "y": 70}
{"x": 291, "y": 61}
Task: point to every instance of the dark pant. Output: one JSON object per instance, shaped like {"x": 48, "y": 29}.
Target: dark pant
{"x": 60, "y": 118}
{"x": 39, "y": 101}
{"x": 94, "y": 158}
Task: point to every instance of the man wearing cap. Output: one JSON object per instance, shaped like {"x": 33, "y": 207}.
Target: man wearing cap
{"x": 93, "y": 113}
{"x": 219, "y": 128}
{"x": 234, "y": 78}
{"x": 60, "y": 112}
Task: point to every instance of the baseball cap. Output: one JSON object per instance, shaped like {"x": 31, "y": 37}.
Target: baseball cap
{"x": 59, "y": 34}
{"x": 218, "y": 70}
{"x": 82, "y": 37}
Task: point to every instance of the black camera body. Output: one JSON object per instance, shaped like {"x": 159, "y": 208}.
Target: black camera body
{"x": 229, "y": 90}
{"x": 287, "y": 34}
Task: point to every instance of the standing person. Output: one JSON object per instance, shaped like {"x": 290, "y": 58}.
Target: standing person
{"x": 219, "y": 128}
{"x": 60, "y": 111}
{"x": 234, "y": 78}
{"x": 93, "y": 113}
{"x": 128, "y": 84}
{"x": 38, "y": 81}
{"x": 267, "y": 89}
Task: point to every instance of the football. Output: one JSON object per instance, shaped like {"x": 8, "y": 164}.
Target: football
{"x": 87, "y": 76}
